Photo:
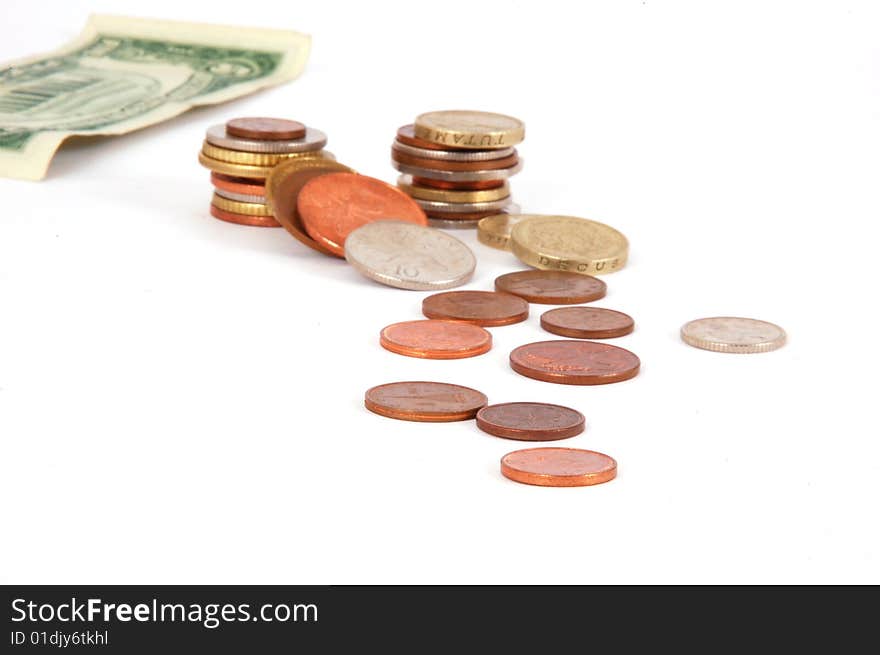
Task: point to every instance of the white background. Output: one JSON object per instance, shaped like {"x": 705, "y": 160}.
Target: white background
{"x": 181, "y": 399}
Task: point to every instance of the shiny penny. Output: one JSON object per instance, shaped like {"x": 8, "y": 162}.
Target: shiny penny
{"x": 587, "y": 322}
{"x": 333, "y": 205}
{"x": 531, "y": 421}
{"x": 265, "y": 129}
{"x": 454, "y": 166}
{"x": 425, "y": 401}
{"x": 436, "y": 339}
{"x": 486, "y": 308}
{"x": 574, "y": 362}
{"x": 551, "y": 287}
{"x": 243, "y": 219}
{"x": 239, "y": 185}
{"x": 732, "y": 334}
{"x": 558, "y": 467}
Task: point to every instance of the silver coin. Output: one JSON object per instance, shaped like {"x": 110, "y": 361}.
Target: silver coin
{"x": 240, "y": 197}
{"x": 313, "y": 140}
{"x": 462, "y": 207}
{"x": 466, "y": 223}
{"x": 459, "y": 176}
{"x": 731, "y": 334}
{"x": 453, "y": 155}
{"x": 409, "y": 256}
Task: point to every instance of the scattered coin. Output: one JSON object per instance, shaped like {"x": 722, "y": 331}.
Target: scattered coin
{"x": 452, "y": 155}
{"x": 409, "y": 256}
{"x": 551, "y": 287}
{"x": 469, "y": 129}
{"x": 729, "y": 334}
{"x": 486, "y": 308}
{"x": 494, "y": 230}
{"x": 587, "y": 322}
{"x": 449, "y": 196}
{"x": 333, "y": 205}
{"x": 313, "y": 140}
{"x": 574, "y": 362}
{"x": 243, "y": 219}
{"x": 558, "y": 467}
{"x": 454, "y": 166}
{"x": 436, "y": 339}
{"x": 425, "y": 401}
{"x": 265, "y": 129}
{"x": 568, "y": 243}
{"x": 531, "y": 421}
{"x": 238, "y": 184}
{"x": 258, "y": 158}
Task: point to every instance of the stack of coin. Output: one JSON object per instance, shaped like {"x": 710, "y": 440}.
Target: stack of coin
{"x": 456, "y": 164}
{"x": 240, "y": 156}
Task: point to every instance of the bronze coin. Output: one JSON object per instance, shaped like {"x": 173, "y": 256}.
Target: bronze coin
{"x": 441, "y": 165}
{"x": 333, "y": 205}
{"x": 243, "y": 219}
{"x": 587, "y": 322}
{"x": 479, "y": 185}
{"x": 238, "y": 185}
{"x": 558, "y": 467}
{"x": 574, "y": 362}
{"x": 551, "y": 287}
{"x": 265, "y": 129}
{"x": 531, "y": 421}
{"x": 486, "y": 308}
{"x": 407, "y": 135}
{"x": 429, "y": 402}
{"x": 436, "y": 339}
{"x": 462, "y": 216}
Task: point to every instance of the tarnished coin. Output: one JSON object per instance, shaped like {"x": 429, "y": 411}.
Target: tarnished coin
{"x": 409, "y": 256}
{"x": 241, "y": 197}
{"x": 531, "y": 421}
{"x": 334, "y": 205}
{"x": 587, "y": 322}
{"x": 258, "y": 158}
{"x": 551, "y": 287}
{"x": 568, "y": 243}
{"x": 454, "y": 166}
{"x": 494, "y": 230}
{"x": 455, "y": 186}
{"x": 574, "y": 362}
{"x": 266, "y": 129}
{"x": 436, "y": 339}
{"x": 249, "y": 208}
{"x": 452, "y": 155}
{"x": 436, "y": 207}
{"x": 458, "y": 176}
{"x": 313, "y": 140}
{"x": 243, "y": 219}
{"x": 558, "y": 467}
{"x": 238, "y": 184}
{"x": 425, "y": 401}
{"x": 730, "y": 334}
{"x": 282, "y": 191}
{"x": 448, "y": 195}
{"x": 486, "y": 308}
{"x": 469, "y": 129}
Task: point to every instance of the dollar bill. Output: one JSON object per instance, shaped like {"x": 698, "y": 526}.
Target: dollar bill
{"x": 122, "y": 74}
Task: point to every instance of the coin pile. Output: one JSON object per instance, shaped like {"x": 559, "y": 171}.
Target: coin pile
{"x": 456, "y": 164}
{"x": 240, "y": 156}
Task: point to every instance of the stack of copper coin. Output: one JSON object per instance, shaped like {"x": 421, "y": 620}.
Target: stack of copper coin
{"x": 456, "y": 164}
{"x": 240, "y": 156}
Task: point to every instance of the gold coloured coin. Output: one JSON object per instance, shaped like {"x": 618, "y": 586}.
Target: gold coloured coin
{"x": 235, "y": 170}
{"x": 568, "y": 243}
{"x": 494, "y": 231}
{"x": 255, "y": 158}
{"x": 446, "y": 195}
{"x": 477, "y": 130}
{"x": 236, "y": 207}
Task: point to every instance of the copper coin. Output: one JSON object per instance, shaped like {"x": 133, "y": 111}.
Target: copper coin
{"x": 558, "y": 467}
{"x": 552, "y": 287}
{"x": 430, "y": 402}
{"x": 243, "y": 219}
{"x": 574, "y": 362}
{"x": 462, "y": 216}
{"x": 333, "y": 205}
{"x": 407, "y": 135}
{"x": 531, "y": 421}
{"x": 240, "y": 185}
{"x": 436, "y": 339}
{"x": 587, "y": 322}
{"x": 480, "y": 185}
{"x": 485, "y": 308}
{"x": 440, "y": 165}
{"x": 265, "y": 129}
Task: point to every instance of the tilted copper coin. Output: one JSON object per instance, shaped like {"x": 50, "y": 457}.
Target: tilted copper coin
{"x": 558, "y": 467}
{"x": 240, "y": 185}
{"x": 243, "y": 219}
{"x": 333, "y": 205}
{"x": 531, "y": 421}
{"x": 436, "y": 339}
{"x": 455, "y": 166}
{"x": 587, "y": 322}
{"x": 268, "y": 129}
{"x": 486, "y": 308}
{"x": 425, "y": 401}
{"x": 551, "y": 287}
{"x": 574, "y": 362}
{"x": 494, "y": 230}
{"x": 282, "y": 191}
{"x": 479, "y": 185}
{"x": 407, "y": 135}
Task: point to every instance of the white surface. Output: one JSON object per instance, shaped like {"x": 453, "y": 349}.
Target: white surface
{"x": 181, "y": 399}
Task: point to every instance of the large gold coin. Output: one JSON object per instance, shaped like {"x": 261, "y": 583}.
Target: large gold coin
{"x": 472, "y": 130}
{"x": 236, "y": 207}
{"x": 254, "y": 158}
{"x": 568, "y": 243}
{"x": 446, "y": 195}
{"x": 494, "y": 231}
